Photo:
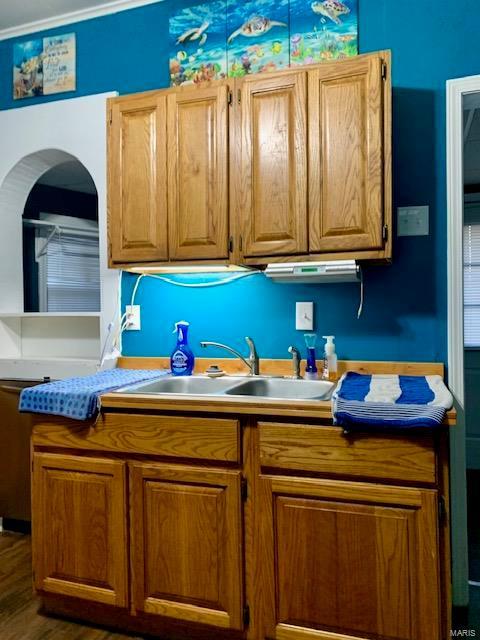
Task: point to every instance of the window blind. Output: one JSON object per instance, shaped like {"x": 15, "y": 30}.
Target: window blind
{"x": 471, "y": 285}
{"x": 72, "y": 273}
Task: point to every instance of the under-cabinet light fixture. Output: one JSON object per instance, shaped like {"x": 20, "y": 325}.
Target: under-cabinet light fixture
{"x": 215, "y": 268}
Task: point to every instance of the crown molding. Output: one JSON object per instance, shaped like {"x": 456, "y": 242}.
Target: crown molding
{"x": 72, "y": 17}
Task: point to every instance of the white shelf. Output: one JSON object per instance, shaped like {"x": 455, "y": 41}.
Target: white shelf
{"x": 52, "y": 314}
{"x": 55, "y": 368}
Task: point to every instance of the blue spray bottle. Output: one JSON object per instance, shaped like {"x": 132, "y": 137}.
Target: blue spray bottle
{"x": 182, "y": 359}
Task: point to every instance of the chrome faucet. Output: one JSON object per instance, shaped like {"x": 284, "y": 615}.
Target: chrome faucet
{"x": 252, "y": 361}
{"x": 297, "y": 358}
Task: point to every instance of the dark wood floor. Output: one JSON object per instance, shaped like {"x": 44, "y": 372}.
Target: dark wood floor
{"x": 19, "y": 617}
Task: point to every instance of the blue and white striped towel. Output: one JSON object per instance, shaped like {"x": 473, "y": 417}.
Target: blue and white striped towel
{"x": 79, "y": 398}
{"x": 390, "y": 401}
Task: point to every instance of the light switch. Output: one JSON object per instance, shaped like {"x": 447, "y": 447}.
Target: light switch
{"x": 413, "y": 221}
{"x": 304, "y": 316}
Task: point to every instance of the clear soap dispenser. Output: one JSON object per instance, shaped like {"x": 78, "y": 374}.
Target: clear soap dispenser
{"x": 330, "y": 364}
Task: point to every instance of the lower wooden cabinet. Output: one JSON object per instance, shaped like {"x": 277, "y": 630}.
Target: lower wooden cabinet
{"x": 354, "y": 559}
{"x": 297, "y": 534}
{"x": 187, "y": 543}
{"x": 79, "y": 527}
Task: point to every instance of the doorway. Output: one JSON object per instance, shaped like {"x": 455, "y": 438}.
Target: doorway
{"x": 463, "y": 173}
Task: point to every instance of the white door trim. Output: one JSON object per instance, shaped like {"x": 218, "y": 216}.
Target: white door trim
{"x": 456, "y": 89}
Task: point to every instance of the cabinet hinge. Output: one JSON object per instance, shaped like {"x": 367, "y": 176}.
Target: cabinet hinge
{"x": 239, "y": 96}
{"x": 230, "y": 244}
{"x": 246, "y": 615}
{"x": 241, "y": 243}
{"x": 244, "y": 489}
{"x": 385, "y": 232}
{"x": 230, "y": 97}
{"x": 384, "y": 70}
{"x": 442, "y": 510}
{"x": 110, "y": 117}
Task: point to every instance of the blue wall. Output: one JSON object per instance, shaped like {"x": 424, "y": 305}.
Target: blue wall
{"x": 405, "y": 307}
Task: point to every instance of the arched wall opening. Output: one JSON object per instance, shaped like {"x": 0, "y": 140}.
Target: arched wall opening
{"x": 34, "y": 140}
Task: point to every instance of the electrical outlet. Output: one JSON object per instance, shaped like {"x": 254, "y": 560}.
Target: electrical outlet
{"x": 304, "y": 316}
{"x": 132, "y": 320}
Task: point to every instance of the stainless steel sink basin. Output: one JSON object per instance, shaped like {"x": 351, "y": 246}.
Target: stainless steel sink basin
{"x": 257, "y": 387}
{"x": 188, "y": 385}
{"x": 283, "y": 389}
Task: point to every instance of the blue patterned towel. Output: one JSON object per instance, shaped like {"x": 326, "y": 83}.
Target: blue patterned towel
{"x": 390, "y": 401}
{"x": 79, "y": 398}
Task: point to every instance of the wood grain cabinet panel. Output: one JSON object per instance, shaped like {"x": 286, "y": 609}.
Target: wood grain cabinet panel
{"x": 167, "y": 436}
{"x": 79, "y": 527}
{"x": 137, "y": 161}
{"x": 274, "y": 165}
{"x": 198, "y": 173}
{"x": 346, "y": 160}
{"x": 352, "y": 561}
{"x": 187, "y": 543}
{"x": 322, "y": 449}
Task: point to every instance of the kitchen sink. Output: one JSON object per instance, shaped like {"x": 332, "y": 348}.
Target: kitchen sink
{"x": 185, "y": 385}
{"x": 256, "y": 387}
{"x": 283, "y": 389}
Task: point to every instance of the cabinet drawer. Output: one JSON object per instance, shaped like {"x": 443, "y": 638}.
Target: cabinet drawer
{"x": 322, "y": 449}
{"x": 170, "y": 436}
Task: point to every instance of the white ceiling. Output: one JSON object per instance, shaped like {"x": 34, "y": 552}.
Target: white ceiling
{"x": 14, "y": 14}
{"x": 18, "y": 17}
{"x": 70, "y": 175}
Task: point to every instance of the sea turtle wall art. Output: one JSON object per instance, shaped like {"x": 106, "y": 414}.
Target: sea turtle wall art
{"x": 220, "y": 38}
{"x": 257, "y": 36}
{"x": 322, "y": 30}
{"x": 197, "y": 42}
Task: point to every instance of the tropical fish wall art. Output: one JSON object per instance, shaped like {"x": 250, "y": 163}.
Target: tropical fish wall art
{"x": 258, "y": 36}
{"x": 322, "y": 30}
{"x": 213, "y": 40}
{"x": 197, "y": 43}
{"x": 44, "y": 66}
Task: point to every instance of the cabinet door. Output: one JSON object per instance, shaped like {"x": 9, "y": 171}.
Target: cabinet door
{"x": 187, "y": 543}
{"x": 346, "y": 155}
{"x": 198, "y": 173}
{"x": 79, "y": 527}
{"x": 273, "y": 189}
{"x": 137, "y": 161}
{"x": 352, "y": 561}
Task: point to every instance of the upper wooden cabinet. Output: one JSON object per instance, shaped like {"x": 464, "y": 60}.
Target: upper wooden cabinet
{"x": 273, "y": 167}
{"x": 346, "y": 155}
{"x": 293, "y": 165}
{"x": 197, "y": 136}
{"x": 137, "y": 194}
